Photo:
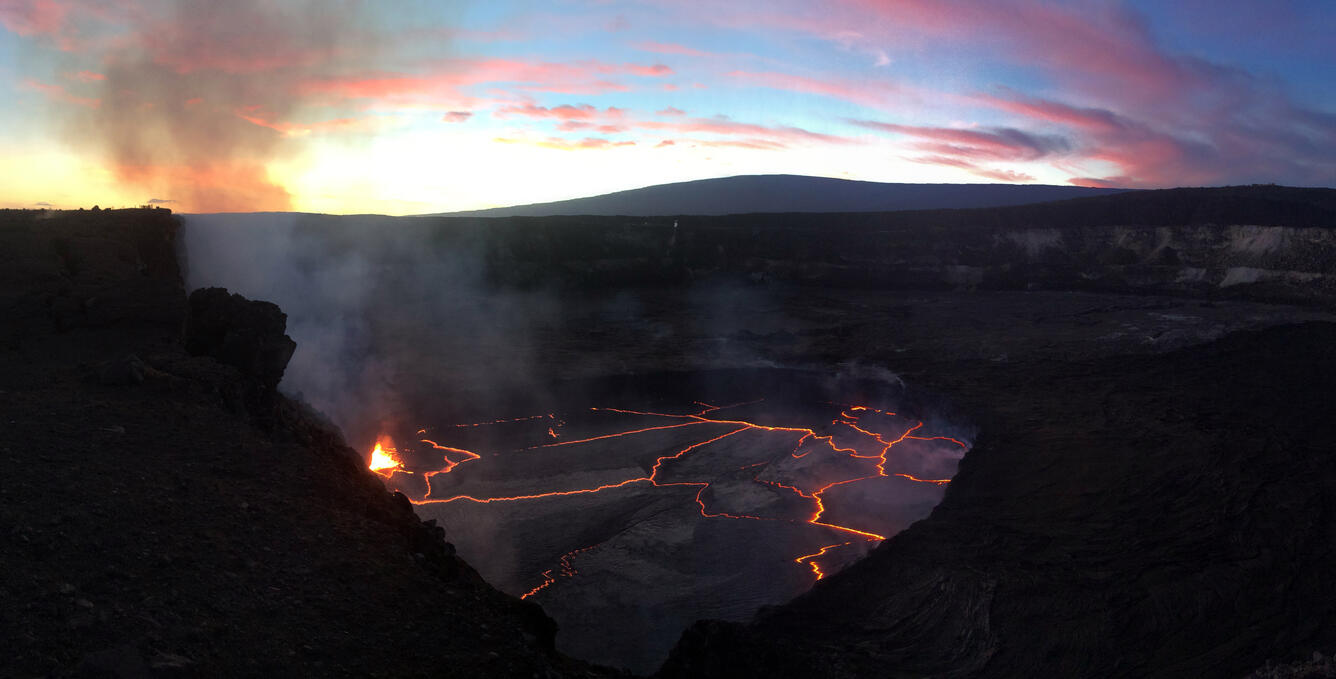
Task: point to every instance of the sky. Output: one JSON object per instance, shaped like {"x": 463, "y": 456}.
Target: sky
{"x": 409, "y": 107}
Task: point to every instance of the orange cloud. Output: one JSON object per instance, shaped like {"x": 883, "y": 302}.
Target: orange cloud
{"x": 222, "y": 187}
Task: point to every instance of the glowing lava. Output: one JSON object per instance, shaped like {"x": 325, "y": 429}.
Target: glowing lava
{"x": 870, "y": 455}
{"x": 384, "y": 458}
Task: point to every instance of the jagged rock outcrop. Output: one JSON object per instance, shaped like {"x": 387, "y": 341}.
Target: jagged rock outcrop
{"x": 245, "y": 334}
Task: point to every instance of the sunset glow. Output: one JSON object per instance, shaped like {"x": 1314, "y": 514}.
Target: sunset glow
{"x": 403, "y": 108}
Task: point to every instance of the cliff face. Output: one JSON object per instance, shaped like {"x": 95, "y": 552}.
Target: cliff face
{"x": 169, "y": 514}
{"x": 1272, "y": 263}
{"x": 70, "y": 270}
{"x": 1259, "y": 243}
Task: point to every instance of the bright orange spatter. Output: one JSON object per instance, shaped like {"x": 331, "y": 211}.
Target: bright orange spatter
{"x": 385, "y": 461}
{"x": 384, "y": 458}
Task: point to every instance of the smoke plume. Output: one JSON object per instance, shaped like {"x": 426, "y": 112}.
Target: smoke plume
{"x": 196, "y": 100}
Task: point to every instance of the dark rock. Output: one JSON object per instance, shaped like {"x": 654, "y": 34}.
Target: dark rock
{"x": 123, "y": 372}
{"x": 119, "y": 662}
{"x": 1318, "y": 667}
{"x": 1107, "y": 535}
{"x": 248, "y": 335}
{"x": 170, "y": 664}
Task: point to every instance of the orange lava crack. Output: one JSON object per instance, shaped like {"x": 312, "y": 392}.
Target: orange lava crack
{"x": 385, "y": 461}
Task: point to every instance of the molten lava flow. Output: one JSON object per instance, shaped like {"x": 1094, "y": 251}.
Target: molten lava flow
{"x": 874, "y": 452}
{"x": 810, "y": 558}
{"x": 567, "y": 565}
{"x": 384, "y": 458}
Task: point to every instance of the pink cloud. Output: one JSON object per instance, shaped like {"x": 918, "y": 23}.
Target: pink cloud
{"x": 655, "y": 71}
{"x": 873, "y": 94}
{"x": 780, "y": 135}
{"x": 718, "y": 131}
{"x": 1098, "y": 120}
{"x": 1000, "y": 143}
{"x": 1105, "y": 183}
{"x": 456, "y": 116}
{"x": 64, "y": 23}
{"x": 1008, "y": 176}
{"x": 59, "y": 93}
{"x": 1144, "y": 156}
{"x": 560, "y": 144}
{"x": 89, "y": 76}
{"x": 447, "y": 82}
{"x": 1159, "y": 118}
{"x": 254, "y": 116}
{"x": 671, "y": 48}
{"x": 748, "y": 144}
{"x": 39, "y": 17}
{"x": 563, "y": 112}
{"x": 1090, "y": 47}
{"x": 572, "y": 118}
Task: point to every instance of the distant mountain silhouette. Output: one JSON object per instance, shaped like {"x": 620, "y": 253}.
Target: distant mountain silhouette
{"x": 790, "y": 193}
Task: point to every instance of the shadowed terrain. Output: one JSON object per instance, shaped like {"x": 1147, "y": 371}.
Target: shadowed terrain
{"x": 1148, "y": 493}
{"x": 790, "y": 193}
{"x": 169, "y": 515}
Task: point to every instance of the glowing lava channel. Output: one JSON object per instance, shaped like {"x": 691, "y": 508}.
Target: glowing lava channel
{"x": 385, "y": 460}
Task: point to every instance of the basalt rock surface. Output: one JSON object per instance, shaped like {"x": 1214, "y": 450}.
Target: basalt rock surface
{"x": 248, "y": 335}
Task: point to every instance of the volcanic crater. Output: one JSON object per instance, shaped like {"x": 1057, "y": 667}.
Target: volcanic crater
{"x": 1092, "y": 434}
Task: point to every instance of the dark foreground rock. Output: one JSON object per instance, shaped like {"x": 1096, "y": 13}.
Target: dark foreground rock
{"x": 1319, "y": 666}
{"x": 1138, "y": 516}
{"x": 245, "y": 334}
{"x": 156, "y": 525}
